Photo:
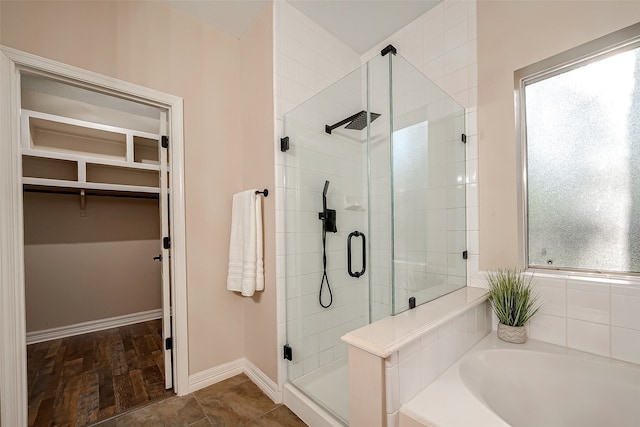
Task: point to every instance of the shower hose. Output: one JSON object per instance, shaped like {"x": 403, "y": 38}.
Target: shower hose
{"x": 325, "y": 278}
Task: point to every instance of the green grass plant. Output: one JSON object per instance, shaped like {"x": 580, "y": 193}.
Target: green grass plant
{"x": 511, "y": 296}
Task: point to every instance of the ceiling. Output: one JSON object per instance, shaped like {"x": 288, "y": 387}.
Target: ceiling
{"x": 360, "y": 24}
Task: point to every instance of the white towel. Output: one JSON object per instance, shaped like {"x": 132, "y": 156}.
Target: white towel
{"x": 246, "y": 266}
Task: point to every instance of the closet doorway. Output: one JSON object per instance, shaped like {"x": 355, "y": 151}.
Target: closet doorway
{"x": 102, "y": 296}
{"x": 95, "y": 214}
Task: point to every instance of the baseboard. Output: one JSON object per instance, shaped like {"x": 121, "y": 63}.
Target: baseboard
{"x": 216, "y": 374}
{"x": 92, "y": 326}
{"x": 219, "y": 373}
{"x": 265, "y": 383}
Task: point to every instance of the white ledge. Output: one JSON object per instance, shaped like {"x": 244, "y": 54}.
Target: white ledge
{"x": 386, "y": 336}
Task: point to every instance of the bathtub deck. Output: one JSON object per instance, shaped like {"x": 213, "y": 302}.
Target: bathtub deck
{"x": 434, "y": 406}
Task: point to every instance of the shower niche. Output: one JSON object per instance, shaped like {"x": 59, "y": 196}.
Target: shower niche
{"x": 391, "y": 144}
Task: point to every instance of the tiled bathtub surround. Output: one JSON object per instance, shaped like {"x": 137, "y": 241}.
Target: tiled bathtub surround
{"x": 418, "y": 364}
{"x": 392, "y": 360}
{"x": 592, "y": 314}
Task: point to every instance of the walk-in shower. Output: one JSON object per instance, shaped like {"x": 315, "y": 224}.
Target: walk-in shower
{"x": 398, "y": 190}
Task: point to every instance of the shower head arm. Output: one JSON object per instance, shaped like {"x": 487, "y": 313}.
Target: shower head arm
{"x": 328, "y": 128}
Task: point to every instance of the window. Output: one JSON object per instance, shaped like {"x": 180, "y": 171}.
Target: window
{"x": 580, "y": 134}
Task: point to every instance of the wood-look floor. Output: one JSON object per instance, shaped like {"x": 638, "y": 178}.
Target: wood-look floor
{"x": 77, "y": 381}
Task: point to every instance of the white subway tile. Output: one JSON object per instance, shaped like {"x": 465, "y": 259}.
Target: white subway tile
{"x": 473, "y": 242}
{"x": 472, "y": 195}
{"x": 392, "y": 390}
{"x": 482, "y": 323}
{"x": 456, "y": 59}
{"x": 625, "y": 311}
{"x": 433, "y": 48}
{"x": 473, "y": 221}
{"x": 409, "y": 378}
{"x": 588, "y": 305}
{"x": 589, "y": 337}
{"x": 473, "y": 264}
{"x": 471, "y": 124}
{"x": 553, "y": 298}
{"x": 456, "y": 36}
{"x": 472, "y": 146}
{"x": 472, "y": 176}
{"x": 310, "y": 364}
{"x": 455, "y": 12}
{"x": 551, "y": 329}
{"x": 456, "y": 80}
{"x": 625, "y": 344}
{"x": 289, "y": 68}
{"x": 473, "y": 74}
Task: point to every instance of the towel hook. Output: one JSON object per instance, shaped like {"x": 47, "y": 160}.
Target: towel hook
{"x": 265, "y": 192}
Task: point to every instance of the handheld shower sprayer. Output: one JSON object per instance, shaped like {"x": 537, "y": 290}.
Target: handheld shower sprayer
{"x": 328, "y": 218}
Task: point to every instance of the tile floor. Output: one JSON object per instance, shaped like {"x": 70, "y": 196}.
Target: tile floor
{"x": 236, "y": 401}
{"x": 80, "y": 380}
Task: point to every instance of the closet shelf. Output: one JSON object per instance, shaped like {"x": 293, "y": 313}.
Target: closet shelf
{"x": 89, "y": 185}
{"x": 49, "y": 135}
{"x": 88, "y": 159}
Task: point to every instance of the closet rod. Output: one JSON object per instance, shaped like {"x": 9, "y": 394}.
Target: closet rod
{"x": 149, "y": 196}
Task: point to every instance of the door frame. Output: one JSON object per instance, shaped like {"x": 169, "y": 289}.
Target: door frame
{"x": 13, "y": 359}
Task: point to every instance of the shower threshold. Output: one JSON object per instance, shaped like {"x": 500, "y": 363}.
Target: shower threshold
{"x": 328, "y": 387}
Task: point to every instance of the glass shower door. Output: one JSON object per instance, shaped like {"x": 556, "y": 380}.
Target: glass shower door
{"x": 323, "y": 302}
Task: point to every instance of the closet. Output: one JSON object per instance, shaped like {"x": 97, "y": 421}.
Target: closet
{"x": 95, "y": 198}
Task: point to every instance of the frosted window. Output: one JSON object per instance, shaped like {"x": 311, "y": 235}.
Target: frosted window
{"x": 583, "y": 166}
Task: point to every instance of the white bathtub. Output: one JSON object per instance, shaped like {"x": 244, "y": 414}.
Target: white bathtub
{"x": 529, "y": 385}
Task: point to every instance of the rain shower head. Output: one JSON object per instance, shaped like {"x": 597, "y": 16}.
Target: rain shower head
{"x": 358, "y": 122}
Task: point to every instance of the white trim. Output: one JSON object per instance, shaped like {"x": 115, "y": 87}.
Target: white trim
{"x": 89, "y": 185}
{"x": 13, "y": 387}
{"x": 222, "y": 372}
{"x": 92, "y": 326}
{"x": 266, "y": 384}
{"x": 13, "y": 357}
{"x": 216, "y": 374}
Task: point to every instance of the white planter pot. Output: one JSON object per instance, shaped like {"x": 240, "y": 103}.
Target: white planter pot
{"x": 512, "y": 334}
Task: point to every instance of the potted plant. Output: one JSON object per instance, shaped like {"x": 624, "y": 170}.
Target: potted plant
{"x": 514, "y": 302}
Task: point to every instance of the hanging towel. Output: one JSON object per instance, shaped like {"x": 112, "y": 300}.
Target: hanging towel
{"x": 246, "y": 266}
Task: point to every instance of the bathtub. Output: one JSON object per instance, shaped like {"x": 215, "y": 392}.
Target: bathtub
{"x": 528, "y": 385}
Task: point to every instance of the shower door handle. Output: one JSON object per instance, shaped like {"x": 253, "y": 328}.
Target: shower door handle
{"x": 364, "y": 254}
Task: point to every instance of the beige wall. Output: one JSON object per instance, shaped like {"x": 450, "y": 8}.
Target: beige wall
{"x": 97, "y": 266}
{"x": 258, "y": 172}
{"x": 146, "y": 43}
{"x": 512, "y": 35}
